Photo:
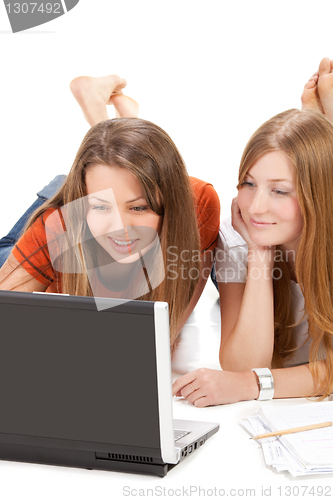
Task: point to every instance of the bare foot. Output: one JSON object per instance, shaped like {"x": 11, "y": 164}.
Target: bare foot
{"x": 310, "y": 97}
{"x": 93, "y": 94}
{"x": 325, "y": 87}
{"x": 126, "y": 107}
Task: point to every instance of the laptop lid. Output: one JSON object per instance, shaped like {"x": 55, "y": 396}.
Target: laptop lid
{"x": 80, "y": 385}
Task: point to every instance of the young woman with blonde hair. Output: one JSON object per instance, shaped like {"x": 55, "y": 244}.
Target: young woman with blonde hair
{"x": 274, "y": 263}
{"x": 127, "y": 200}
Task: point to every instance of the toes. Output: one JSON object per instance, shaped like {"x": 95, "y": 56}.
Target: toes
{"x": 309, "y": 97}
{"x": 311, "y": 83}
{"x": 325, "y": 66}
{"x": 122, "y": 84}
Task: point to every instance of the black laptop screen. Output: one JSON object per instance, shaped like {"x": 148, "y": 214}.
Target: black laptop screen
{"x": 73, "y": 373}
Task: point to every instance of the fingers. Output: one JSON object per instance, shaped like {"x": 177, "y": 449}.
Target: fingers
{"x": 202, "y": 402}
{"x": 236, "y": 216}
{"x": 181, "y": 383}
{"x": 195, "y": 396}
{"x": 234, "y": 204}
{"x": 234, "y": 207}
{"x": 187, "y": 390}
{"x": 195, "y": 387}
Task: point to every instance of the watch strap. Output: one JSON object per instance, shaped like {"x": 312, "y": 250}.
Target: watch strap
{"x": 265, "y": 382}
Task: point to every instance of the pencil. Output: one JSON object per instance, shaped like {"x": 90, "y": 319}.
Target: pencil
{"x": 292, "y": 431}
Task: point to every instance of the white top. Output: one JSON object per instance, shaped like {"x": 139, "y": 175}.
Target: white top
{"x": 231, "y": 267}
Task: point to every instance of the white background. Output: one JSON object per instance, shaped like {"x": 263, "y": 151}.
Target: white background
{"x": 208, "y": 72}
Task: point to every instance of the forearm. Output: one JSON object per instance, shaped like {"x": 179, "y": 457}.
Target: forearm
{"x": 298, "y": 381}
{"x": 294, "y": 382}
{"x": 15, "y": 278}
{"x": 205, "y": 387}
{"x": 250, "y": 343}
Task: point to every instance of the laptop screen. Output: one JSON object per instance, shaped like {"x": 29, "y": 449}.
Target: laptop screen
{"x": 70, "y": 372}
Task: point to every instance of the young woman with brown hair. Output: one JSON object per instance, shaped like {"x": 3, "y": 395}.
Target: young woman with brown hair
{"x": 126, "y": 197}
{"x": 274, "y": 264}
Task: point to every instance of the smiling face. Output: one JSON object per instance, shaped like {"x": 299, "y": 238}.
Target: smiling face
{"x": 268, "y": 203}
{"x": 118, "y": 215}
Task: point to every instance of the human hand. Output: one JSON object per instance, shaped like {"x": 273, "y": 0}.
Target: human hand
{"x": 238, "y": 223}
{"x": 240, "y": 226}
{"x": 206, "y": 387}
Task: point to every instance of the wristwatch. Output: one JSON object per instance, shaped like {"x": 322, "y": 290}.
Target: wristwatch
{"x": 265, "y": 382}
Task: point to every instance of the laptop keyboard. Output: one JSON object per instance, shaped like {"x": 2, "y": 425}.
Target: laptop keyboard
{"x": 179, "y": 434}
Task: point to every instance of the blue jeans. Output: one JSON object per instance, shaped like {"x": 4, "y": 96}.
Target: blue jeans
{"x": 7, "y": 242}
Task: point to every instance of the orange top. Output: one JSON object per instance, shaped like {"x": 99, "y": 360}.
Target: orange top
{"x": 32, "y": 250}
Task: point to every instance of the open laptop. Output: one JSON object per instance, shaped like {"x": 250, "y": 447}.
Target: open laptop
{"x": 86, "y": 388}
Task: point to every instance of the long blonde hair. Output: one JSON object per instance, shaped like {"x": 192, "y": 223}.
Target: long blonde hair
{"x": 150, "y": 155}
{"x": 306, "y": 138}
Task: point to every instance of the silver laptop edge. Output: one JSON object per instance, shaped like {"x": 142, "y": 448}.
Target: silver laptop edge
{"x": 169, "y": 453}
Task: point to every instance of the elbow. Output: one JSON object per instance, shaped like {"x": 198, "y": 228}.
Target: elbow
{"x": 231, "y": 362}
{"x": 236, "y": 360}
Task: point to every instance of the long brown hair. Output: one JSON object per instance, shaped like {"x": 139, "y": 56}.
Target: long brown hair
{"x": 306, "y": 138}
{"x": 150, "y": 155}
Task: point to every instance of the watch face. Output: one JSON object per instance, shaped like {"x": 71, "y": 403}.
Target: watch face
{"x": 266, "y": 382}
